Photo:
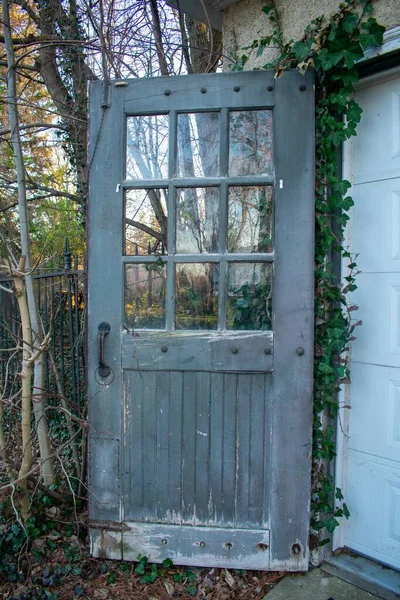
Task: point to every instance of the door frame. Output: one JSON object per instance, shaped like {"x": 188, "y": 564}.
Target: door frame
{"x": 390, "y": 44}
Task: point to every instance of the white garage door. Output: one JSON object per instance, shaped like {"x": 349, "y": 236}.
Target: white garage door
{"x": 373, "y": 480}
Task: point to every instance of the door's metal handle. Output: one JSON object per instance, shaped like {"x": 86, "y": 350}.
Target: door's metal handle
{"x": 103, "y": 329}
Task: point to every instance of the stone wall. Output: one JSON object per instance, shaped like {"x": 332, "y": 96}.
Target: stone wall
{"x": 245, "y": 22}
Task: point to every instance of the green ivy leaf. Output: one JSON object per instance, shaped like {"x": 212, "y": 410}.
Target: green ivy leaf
{"x": 267, "y": 9}
{"x": 354, "y": 112}
{"x": 112, "y": 578}
{"x": 190, "y": 575}
{"x": 349, "y": 22}
{"x": 326, "y": 60}
{"x": 301, "y": 49}
{"x": 338, "y": 494}
{"x": 352, "y": 54}
{"x": 373, "y": 36}
{"x": 325, "y": 369}
{"x": 167, "y": 563}
{"x": 192, "y": 589}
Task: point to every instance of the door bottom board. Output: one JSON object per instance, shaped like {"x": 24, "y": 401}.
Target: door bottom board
{"x": 184, "y": 545}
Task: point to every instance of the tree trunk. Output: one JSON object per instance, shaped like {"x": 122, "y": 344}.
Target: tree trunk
{"x": 26, "y": 393}
{"x": 34, "y": 317}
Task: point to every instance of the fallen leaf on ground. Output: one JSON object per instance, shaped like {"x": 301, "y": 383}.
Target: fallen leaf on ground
{"x": 229, "y": 579}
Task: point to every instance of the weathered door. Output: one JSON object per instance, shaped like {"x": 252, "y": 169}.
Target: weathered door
{"x": 200, "y": 319}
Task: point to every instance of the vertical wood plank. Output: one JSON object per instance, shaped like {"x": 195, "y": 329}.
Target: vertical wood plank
{"x": 258, "y": 445}
{"x": 202, "y": 434}
{"x": 229, "y": 448}
{"x": 189, "y": 447}
{"x": 244, "y": 408}
{"x": 149, "y": 456}
{"x": 175, "y": 455}
{"x": 162, "y": 453}
{"x": 133, "y": 442}
{"x": 105, "y": 233}
{"x": 217, "y": 435}
{"x": 294, "y": 316}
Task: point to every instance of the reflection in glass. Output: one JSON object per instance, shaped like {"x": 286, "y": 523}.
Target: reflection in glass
{"x": 250, "y": 142}
{"x": 197, "y": 296}
{"x": 198, "y": 145}
{"x": 197, "y": 220}
{"x": 250, "y": 219}
{"x": 145, "y": 295}
{"x": 145, "y": 222}
{"x": 147, "y": 147}
{"x": 249, "y": 289}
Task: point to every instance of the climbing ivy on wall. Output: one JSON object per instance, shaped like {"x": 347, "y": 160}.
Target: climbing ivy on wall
{"x": 331, "y": 46}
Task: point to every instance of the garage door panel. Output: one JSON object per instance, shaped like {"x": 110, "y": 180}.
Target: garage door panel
{"x": 378, "y": 339}
{"x": 372, "y": 431}
{"x": 379, "y": 131}
{"x": 373, "y": 465}
{"x": 376, "y": 216}
{"x": 373, "y": 496}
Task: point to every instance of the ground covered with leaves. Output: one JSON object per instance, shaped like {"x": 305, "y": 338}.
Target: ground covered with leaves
{"x": 49, "y": 560}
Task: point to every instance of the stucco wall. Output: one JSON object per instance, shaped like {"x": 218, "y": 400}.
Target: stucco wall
{"x": 245, "y": 22}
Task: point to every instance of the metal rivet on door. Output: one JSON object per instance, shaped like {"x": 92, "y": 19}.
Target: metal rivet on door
{"x": 296, "y": 549}
{"x": 300, "y": 351}
{"x": 262, "y": 546}
{"x": 164, "y": 349}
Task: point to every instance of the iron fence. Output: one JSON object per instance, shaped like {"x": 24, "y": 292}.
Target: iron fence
{"x": 59, "y": 288}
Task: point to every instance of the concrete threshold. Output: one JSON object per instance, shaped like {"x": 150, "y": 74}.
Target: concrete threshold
{"x": 365, "y": 574}
{"x": 316, "y": 585}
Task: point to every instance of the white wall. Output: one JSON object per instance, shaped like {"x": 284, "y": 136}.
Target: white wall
{"x": 245, "y": 22}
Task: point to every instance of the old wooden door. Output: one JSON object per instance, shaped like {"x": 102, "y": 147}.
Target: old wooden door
{"x": 200, "y": 319}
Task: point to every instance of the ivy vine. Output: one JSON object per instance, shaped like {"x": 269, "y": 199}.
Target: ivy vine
{"x": 331, "y": 46}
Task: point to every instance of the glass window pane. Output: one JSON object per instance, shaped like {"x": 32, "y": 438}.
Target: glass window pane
{"x": 196, "y": 296}
{"x": 145, "y": 295}
{"x": 250, "y": 142}
{"x": 147, "y": 147}
{"x": 146, "y": 222}
{"x": 198, "y": 145}
{"x": 249, "y": 290}
{"x": 250, "y": 219}
{"x": 197, "y": 220}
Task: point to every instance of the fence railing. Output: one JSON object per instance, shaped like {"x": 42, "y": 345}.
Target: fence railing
{"x": 59, "y": 288}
